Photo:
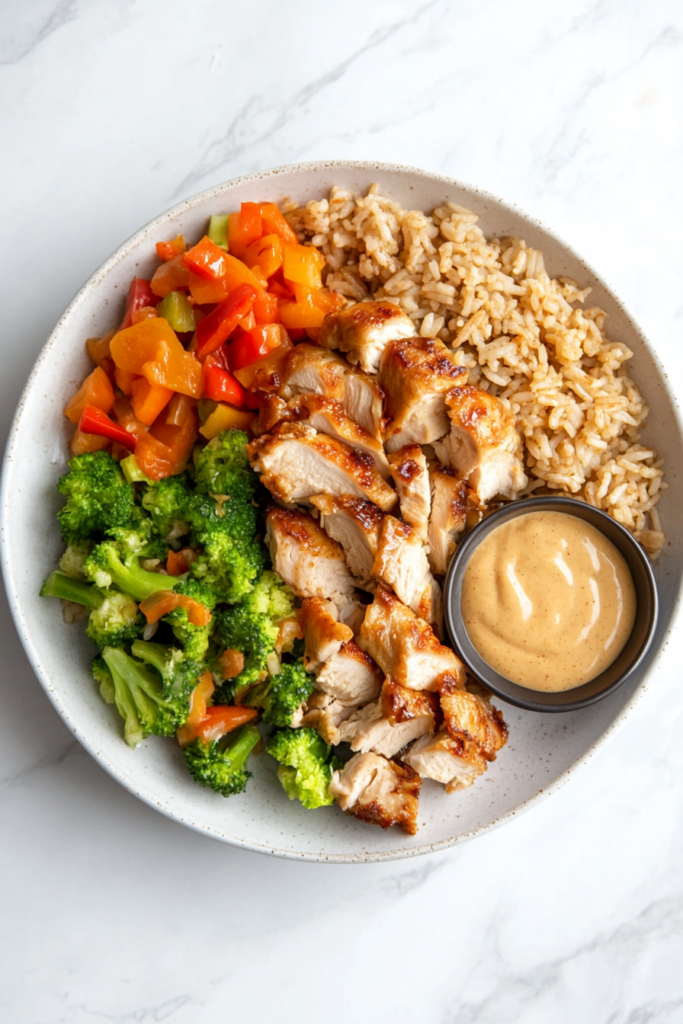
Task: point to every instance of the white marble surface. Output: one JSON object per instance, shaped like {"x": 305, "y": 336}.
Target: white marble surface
{"x": 112, "y": 112}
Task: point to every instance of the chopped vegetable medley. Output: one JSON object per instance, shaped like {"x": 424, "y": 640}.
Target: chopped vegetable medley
{"x": 197, "y": 636}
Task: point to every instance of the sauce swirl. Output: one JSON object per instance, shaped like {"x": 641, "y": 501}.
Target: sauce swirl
{"x": 548, "y": 601}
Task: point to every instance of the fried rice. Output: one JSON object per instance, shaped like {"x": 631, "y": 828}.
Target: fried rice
{"x": 522, "y": 335}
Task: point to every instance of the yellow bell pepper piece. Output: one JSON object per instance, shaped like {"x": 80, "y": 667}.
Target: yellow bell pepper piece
{"x": 225, "y": 417}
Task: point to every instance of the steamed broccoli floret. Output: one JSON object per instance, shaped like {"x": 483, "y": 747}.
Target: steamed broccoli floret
{"x": 97, "y": 497}
{"x": 68, "y": 588}
{"x": 168, "y": 503}
{"x": 139, "y": 698}
{"x": 222, "y": 467}
{"x": 104, "y": 679}
{"x": 224, "y": 517}
{"x": 116, "y": 621}
{"x": 74, "y": 557}
{"x": 139, "y": 539}
{"x": 105, "y": 568}
{"x": 281, "y": 695}
{"x": 193, "y": 639}
{"x": 305, "y": 765}
{"x": 177, "y": 671}
{"x": 232, "y": 557}
{"x": 252, "y": 626}
{"x": 222, "y": 768}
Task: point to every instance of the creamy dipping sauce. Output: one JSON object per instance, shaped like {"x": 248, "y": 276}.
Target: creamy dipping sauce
{"x": 548, "y": 601}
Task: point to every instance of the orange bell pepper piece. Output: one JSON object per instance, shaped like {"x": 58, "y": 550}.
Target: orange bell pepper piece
{"x": 273, "y": 221}
{"x": 168, "y": 250}
{"x": 170, "y": 276}
{"x": 95, "y": 390}
{"x": 124, "y": 380}
{"x": 98, "y": 350}
{"x": 302, "y": 264}
{"x": 164, "y": 451}
{"x": 125, "y": 417}
{"x": 144, "y": 313}
{"x": 265, "y": 309}
{"x": 265, "y": 253}
{"x": 301, "y": 314}
{"x": 148, "y": 400}
{"x": 222, "y": 719}
{"x": 328, "y": 301}
{"x": 83, "y": 444}
{"x": 178, "y": 562}
{"x": 165, "y": 601}
{"x": 152, "y": 349}
{"x": 199, "y": 698}
{"x": 206, "y": 293}
{"x": 238, "y": 273}
{"x": 206, "y": 259}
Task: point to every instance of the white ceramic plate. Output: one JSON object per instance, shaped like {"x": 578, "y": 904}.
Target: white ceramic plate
{"x": 543, "y": 749}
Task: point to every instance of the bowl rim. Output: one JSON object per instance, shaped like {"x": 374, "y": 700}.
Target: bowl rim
{"x": 17, "y": 613}
{"x": 522, "y": 696}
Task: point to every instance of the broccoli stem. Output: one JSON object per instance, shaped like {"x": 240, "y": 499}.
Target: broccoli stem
{"x": 58, "y": 584}
{"x": 134, "y": 580}
{"x": 155, "y": 655}
{"x": 241, "y": 747}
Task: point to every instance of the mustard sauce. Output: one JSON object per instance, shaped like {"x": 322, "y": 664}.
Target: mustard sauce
{"x": 548, "y": 601}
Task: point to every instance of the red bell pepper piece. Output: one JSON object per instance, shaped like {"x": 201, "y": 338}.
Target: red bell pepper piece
{"x": 219, "y": 324}
{"x": 219, "y": 384}
{"x": 139, "y": 294}
{"x": 94, "y": 421}
{"x": 206, "y": 259}
{"x": 249, "y": 346}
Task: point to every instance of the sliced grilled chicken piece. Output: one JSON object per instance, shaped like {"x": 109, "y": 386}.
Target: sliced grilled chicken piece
{"x": 378, "y": 791}
{"x": 469, "y": 716}
{"x": 324, "y": 635}
{"x": 448, "y": 516}
{"x": 298, "y": 462}
{"x": 416, "y": 374}
{"x": 392, "y": 722}
{"x": 411, "y": 476}
{"x": 401, "y": 562}
{"x": 483, "y": 445}
{"x": 350, "y": 676}
{"x": 272, "y": 410}
{"x": 404, "y": 646}
{"x": 364, "y": 330}
{"x": 363, "y": 401}
{"x": 327, "y": 715}
{"x": 304, "y": 556}
{"x": 356, "y": 525}
{"x": 329, "y": 417}
{"x": 311, "y": 369}
{"x": 454, "y": 762}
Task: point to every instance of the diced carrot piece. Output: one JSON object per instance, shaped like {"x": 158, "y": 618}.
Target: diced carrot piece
{"x": 170, "y": 276}
{"x": 199, "y": 698}
{"x": 273, "y": 221}
{"x": 148, "y": 400}
{"x": 220, "y": 720}
{"x": 95, "y": 390}
{"x": 165, "y": 601}
{"x": 178, "y": 562}
{"x": 231, "y": 663}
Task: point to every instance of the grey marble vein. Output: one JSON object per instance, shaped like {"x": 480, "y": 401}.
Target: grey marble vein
{"x": 34, "y": 27}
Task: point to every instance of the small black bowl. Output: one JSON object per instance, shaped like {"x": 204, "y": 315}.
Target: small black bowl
{"x": 631, "y": 654}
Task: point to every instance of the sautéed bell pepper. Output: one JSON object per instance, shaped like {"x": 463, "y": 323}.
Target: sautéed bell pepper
{"x": 139, "y": 294}
{"x": 168, "y": 250}
{"x": 95, "y": 390}
{"x": 219, "y": 324}
{"x": 206, "y": 259}
{"x": 94, "y": 421}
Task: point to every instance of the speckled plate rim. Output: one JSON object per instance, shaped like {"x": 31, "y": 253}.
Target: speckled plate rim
{"x": 153, "y": 226}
